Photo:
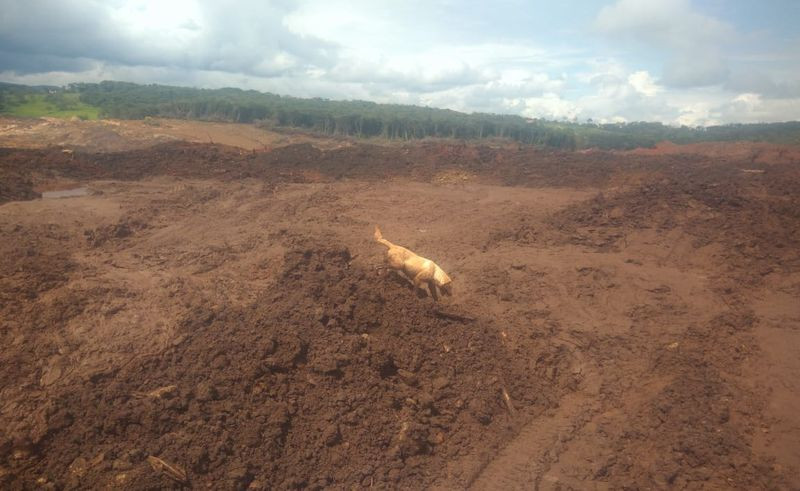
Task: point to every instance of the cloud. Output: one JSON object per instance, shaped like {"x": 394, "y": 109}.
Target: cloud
{"x": 697, "y": 114}
{"x": 667, "y": 23}
{"x": 549, "y": 105}
{"x": 38, "y": 35}
{"x": 643, "y": 83}
{"x": 689, "y": 42}
{"x": 753, "y": 108}
{"x": 756, "y": 81}
{"x": 23, "y": 63}
{"x": 699, "y": 69}
{"x": 417, "y": 74}
{"x": 630, "y": 60}
{"x": 45, "y": 35}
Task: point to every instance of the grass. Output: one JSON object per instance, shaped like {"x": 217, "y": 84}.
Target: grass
{"x": 38, "y": 105}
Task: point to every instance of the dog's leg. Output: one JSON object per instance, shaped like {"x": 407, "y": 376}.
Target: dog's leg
{"x": 418, "y": 282}
{"x": 425, "y": 277}
{"x": 432, "y": 289}
{"x": 401, "y": 277}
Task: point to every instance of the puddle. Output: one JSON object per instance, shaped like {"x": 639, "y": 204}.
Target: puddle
{"x": 65, "y": 193}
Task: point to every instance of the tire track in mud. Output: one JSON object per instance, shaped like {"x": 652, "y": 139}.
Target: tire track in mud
{"x": 669, "y": 421}
{"x": 673, "y": 405}
{"x": 524, "y": 462}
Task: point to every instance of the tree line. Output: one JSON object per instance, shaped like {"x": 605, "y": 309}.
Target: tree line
{"x": 364, "y": 119}
{"x": 350, "y": 118}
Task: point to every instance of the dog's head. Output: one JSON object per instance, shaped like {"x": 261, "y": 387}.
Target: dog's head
{"x": 447, "y": 289}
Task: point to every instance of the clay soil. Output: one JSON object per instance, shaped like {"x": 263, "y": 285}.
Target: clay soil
{"x": 619, "y": 320}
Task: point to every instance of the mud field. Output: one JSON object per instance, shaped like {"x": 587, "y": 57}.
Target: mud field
{"x": 211, "y": 316}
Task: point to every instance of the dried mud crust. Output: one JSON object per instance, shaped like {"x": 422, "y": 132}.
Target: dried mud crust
{"x": 343, "y": 377}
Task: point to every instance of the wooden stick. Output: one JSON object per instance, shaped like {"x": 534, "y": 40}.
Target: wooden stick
{"x": 454, "y": 317}
{"x": 172, "y": 471}
{"x": 507, "y": 400}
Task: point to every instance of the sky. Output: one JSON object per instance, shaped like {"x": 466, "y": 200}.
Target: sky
{"x": 681, "y": 62}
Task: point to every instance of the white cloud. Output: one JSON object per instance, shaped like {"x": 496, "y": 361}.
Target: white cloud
{"x": 549, "y": 105}
{"x": 643, "y": 83}
{"x": 696, "y": 114}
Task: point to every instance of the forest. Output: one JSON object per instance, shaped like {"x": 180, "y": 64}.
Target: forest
{"x": 362, "y": 119}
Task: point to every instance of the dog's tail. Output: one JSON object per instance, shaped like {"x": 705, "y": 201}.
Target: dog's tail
{"x": 379, "y": 238}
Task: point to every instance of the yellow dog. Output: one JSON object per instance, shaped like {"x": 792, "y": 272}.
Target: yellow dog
{"x": 419, "y": 270}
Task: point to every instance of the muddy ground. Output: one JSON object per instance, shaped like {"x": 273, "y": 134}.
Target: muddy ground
{"x": 618, "y": 319}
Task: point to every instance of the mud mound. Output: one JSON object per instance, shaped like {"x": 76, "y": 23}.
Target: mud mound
{"x": 33, "y": 264}
{"x": 29, "y": 263}
{"x": 750, "y": 152}
{"x": 126, "y": 227}
{"x": 98, "y": 136}
{"x": 176, "y": 159}
{"x": 300, "y": 163}
{"x": 753, "y": 215}
{"x": 16, "y": 186}
{"x": 516, "y": 165}
{"x": 342, "y": 378}
{"x": 21, "y": 169}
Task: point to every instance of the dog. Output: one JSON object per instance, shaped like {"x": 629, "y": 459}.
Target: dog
{"x": 419, "y": 270}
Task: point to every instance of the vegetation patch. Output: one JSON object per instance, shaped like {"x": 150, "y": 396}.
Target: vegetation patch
{"x": 53, "y": 103}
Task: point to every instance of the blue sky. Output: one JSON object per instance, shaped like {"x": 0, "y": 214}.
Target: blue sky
{"x": 694, "y": 62}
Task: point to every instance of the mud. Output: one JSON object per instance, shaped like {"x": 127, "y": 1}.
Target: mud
{"x": 344, "y": 367}
{"x": 618, "y": 319}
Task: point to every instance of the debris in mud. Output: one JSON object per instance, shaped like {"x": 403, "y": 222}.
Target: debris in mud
{"x": 454, "y": 316}
{"x": 507, "y": 401}
{"x": 165, "y": 392}
{"x": 125, "y": 228}
{"x": 170, "y": 470}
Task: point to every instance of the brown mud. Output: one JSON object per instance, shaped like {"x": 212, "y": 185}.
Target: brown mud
{"x": 618, "y": 320}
